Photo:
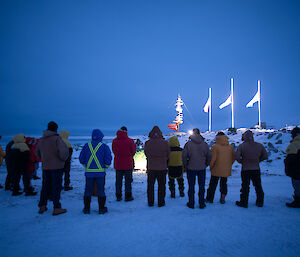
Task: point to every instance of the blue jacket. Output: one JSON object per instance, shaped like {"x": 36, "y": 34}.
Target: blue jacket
{"x": 103, "y": 155}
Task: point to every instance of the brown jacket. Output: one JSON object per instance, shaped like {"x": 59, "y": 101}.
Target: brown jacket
{"x": 223, "y": 157}
{"x": 157, "y": 150}
{"x": 250, "y": 153}
{"x": 52, "y": 150}
{"x": 2, "y": 154}
{"x": 196, "y": 154}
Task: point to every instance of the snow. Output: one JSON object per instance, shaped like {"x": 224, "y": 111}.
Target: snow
{"x": 134, "y": 229}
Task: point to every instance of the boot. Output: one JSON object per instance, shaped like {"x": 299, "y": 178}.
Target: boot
{"x": 191, "y": 206}
{"x": 1, "y": 186}
{"x": 181, "y": 194}
{"x": 260, "y": 200}
{"x": 202, "y": 205}
{"x": 101, "y": 202}
{"x": 128, "y": 197}
{"x": 30, "y": 192}
{"x": 58, "y": 211}
{"x": 43, "y": 209}
{"x": 222, "y": 199}
{"x": 209, "y": 197}
{"x": 241, "y": 204}
{"x": 15, "y": 193}
{"x": 87, "y": 204}
{"x": 295, "y": 203}
{"x": 119, "y": 197}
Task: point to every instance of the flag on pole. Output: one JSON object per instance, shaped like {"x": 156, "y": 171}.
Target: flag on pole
{"x": 255, "y": 99}
{"x": 207, "y": 105}
{"x": 174, "y": 126}
{"x": 227, "y": 102}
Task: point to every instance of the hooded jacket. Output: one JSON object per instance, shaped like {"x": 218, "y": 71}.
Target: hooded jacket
{"x": 157, "y": 150}
{"x": 250, "y": 153}
{"x": 32, "y": 144}
{"x": 103, "y": 155}
{"x": 52, "y": 151}
{"x": 292, "y": 160}
{"x": 223, "y": 157}
{"x": 124, "y": 149}
{"x": 196, "y": 154}
{"x": 175, "y": 158}
{"x": 20, "y": 154}
{"x": 64, "y": 134}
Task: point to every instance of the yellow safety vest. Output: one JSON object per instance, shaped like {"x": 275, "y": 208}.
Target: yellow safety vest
{"x": 94, "y": 157}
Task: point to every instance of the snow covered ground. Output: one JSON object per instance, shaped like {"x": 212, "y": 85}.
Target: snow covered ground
{"x": 134, "y": 229}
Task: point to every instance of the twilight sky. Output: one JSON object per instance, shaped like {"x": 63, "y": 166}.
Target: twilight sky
{"x": 104, "y": 64}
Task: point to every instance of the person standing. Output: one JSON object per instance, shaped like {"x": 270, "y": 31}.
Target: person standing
{"x": 20, "y": 155}
{"x": 175, "y": 170}
{"x": 250, "y": 154}
{"x": 196, "y": 156}
{"x": 53, "y": 153}
{"x": 96, "y": 158}
{"x": 9, "y": 166}
{"x": 2, "y": 155}
{"x": 292, "y": 166}
{"x": 124, "y": 150}
{"x": 64, "y": 134}
{"x": 223, "y": 156}
{"x": 157, "y": 152}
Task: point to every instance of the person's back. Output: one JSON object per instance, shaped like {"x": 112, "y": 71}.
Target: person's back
{"x": 156, "y": 150}
{"x": 250, "y": 153}
{"x": 196, "y": 154}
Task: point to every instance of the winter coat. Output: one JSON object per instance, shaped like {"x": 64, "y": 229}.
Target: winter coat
{"x": 32, "y": 144}
{"x": 196, "y": 154}
{"x": 2, "y": 155}
{"x": 8, "y": 156}
{"x": 52, "y": 150}
{"x": 20, "y": 154}
{"x": 223, "y": 157}
{"x": 175, "y": 158}
{"x": 292, "y": 160}
{"x": 157, "y": 150}
{"x": 103, "y": 155}
{"x": 250, "y": 153}
{"x": 64, "y": 134}
{"x": 124, "y": 149}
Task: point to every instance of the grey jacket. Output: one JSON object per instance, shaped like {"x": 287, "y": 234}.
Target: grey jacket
{"x": 250, "y": 153}
{"x": 52, "y": 150}
{"x": 196, "y": 154}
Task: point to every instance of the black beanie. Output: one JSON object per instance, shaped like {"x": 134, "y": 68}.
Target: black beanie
{"x": 124, "y": 128}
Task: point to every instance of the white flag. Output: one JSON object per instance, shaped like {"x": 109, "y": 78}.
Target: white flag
{"x": 227, "y": 102}
{"x": 207, "y": 105}
{"x": 255, "y": 99}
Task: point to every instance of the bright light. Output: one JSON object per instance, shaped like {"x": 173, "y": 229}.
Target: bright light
{"x": 190, "y": 132}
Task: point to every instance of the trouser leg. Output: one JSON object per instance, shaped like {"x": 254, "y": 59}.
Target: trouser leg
{"x": 56, "y": 180}
{"x": 212, "y": 188}
{"x": 46, "y": 189}
{"x": 256, "y": 180}
{"x": 128, "y": 181}
{"x": 191, "y": 176}
{"x": 161, "y": 180}
{"x": 119, "y": 182}
{"x": 89, "y": 185}
{"x": 16, "y": 180}
{"x": 180, "y": 182}
{"x": 223, "y": 186}
{"x": 101, "y": 186}
{"x": 171, "y": 185}
{"x": 67, "y": 170}
{"x": 150, "y": 187}
{"x": 201, "y": 182}
{"x": 26, "y": 180}
{"x": 245, "y": 187}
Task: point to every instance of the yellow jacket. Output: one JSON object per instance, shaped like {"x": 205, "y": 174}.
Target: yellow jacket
{"x": 175, "y": 158}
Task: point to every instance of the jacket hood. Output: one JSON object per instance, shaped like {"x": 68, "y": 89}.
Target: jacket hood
{"x": 248, "y": 136}
{"x": 222, "y": 140}
{"x": 19, "y": 143}
{"x": 198, "y": 139}
{"x": 155, "y": 133}
{"x": 49, "y": 133}
{"x": 121, "y": 134}
{"x": 174, "y": 142}
{"x": 97, "y": 135}
{"x": 64, "y": 134}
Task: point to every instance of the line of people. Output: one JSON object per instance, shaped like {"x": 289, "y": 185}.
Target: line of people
{"x": 163, "y": 157}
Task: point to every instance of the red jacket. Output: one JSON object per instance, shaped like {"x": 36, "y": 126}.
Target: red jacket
{"x": 124, "y": 149}
{"x": 32, "y": 143}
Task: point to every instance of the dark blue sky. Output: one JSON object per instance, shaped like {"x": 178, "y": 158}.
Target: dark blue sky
{"x": 105, "y": 64}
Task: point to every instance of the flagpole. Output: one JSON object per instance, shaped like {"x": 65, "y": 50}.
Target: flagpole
{"x": 209, "y": 97}
{"x": 232, "y": 113}
{"x": 259, "y": 118}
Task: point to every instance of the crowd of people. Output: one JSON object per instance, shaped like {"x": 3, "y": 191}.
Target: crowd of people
{"x": 164, "y": 157}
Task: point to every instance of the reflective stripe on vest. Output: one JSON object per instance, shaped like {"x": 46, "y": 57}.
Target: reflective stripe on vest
{"x": 94, "y": 157}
